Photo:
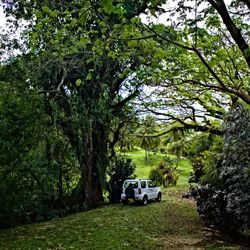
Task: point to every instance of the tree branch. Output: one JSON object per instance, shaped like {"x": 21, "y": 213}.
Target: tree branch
{"x": 195, "y": 126}
{"x": 194, "y": 50}
{"x": 62, "y": 81}
{"x": 116, "y": 135}
{"x": 136, "y": 38}
{"x": 169, "y": 40}
{"x": 221, "y": 8}
{"x": 118, "y": 106}
{"x": 238, "y": 92}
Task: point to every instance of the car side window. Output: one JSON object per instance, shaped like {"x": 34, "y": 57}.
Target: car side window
{"x": 131, "y": 184}
{"x": 135, "y": 185}
{"x": 143, "y": 184}
{"x": 151, "y": 184}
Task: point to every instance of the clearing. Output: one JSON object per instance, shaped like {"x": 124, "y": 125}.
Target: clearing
{"x": 171, "y": 224}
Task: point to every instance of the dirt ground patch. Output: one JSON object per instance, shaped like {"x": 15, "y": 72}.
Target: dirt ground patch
{"x": 189, "y": 232}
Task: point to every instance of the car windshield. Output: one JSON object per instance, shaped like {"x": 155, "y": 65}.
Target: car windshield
{"x": 132, "y": 184}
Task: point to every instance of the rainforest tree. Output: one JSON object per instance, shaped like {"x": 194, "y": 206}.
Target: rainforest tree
{"x": 81, "y": 59}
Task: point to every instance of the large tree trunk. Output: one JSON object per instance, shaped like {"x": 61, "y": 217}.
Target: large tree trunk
{"x": 94, "y": 165}
{"x": 91, "y": 188}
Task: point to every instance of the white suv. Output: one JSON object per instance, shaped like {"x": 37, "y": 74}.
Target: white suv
{"x": 140, "y": 190}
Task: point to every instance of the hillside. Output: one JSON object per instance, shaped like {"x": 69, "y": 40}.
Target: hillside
{"x": 171, "y": 224}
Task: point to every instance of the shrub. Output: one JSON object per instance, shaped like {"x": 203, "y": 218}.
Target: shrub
{"x": 204, "y": 152}
{"x": 235, "y": 169}
{"x": 226, "y": 203}
{"x": 156, "y": 176}
{"x": 165, "y": 174}
{"x": 211, "y": 204}
{"x": 197, "y": 173}
{"x": 119, "y": 170}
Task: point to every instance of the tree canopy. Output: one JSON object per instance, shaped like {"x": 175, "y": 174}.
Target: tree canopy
{"x": 206, "y": 64}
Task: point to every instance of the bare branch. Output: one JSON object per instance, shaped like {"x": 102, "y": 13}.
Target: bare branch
{"x": 62, "y": 81}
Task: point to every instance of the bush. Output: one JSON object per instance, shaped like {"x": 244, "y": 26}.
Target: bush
{"x": 204, "y": 152}
{"x": 165, "y": 174}
{"x": 211, "y": 205}
{"x": 205, "y": 165}
{"x": 156, "y": 176}
{"x": 226, "y": 203}
{"x": 235, "y": 168}
{"x": 197, "y": 173}
{"x": 119, "y": 170}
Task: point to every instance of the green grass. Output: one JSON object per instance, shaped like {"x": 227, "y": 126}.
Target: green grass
{"x": 184, "y": 168}
{"x": 143, "y": 169}
{"x": 171, "y": 224}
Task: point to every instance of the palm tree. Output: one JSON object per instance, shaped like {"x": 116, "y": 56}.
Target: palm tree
{"x": 147, "y": 140}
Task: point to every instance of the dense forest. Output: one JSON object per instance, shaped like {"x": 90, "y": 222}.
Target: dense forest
{"x": 82, "y": 81}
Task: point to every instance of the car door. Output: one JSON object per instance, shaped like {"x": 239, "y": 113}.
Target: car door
{"x": 143, "y": 185}
{"x": 152, "y": 190}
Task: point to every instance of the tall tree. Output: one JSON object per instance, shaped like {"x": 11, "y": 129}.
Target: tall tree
{"x": 83, "y": 62}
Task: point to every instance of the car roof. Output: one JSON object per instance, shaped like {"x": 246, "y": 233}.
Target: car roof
{"x": 137, "y": 180}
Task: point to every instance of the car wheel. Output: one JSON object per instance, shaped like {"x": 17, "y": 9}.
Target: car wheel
{"x": 145, "y": 200}
{"x": 159, "y": 197}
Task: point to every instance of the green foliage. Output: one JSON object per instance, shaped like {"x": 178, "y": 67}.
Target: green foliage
{"x": 210, "y": 161}
{"x": 147, "y": 140}
{"x": 165, "y": 174}
{"x": 194, "y": 87}
{"x": 156, "y": 176}
{"x": 227, "y": 205}
{"x": 199, "y": 143}
{"x": 37, "y": 166}
{"x": 87, "y": 60}
{"x": 87, "y": 69}
{"x": 235, "y": 169}
{"x": 123, "y": 137}
{"x": 22, "y": 164}
{"x": 205, "y": 152}
{"x": 120, "y": 169}
{"x": 175, "y": 141}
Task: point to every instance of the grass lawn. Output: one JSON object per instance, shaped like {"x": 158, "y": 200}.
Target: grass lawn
{"x": 170, "y": 224}
{"x": 142, "y": 169}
